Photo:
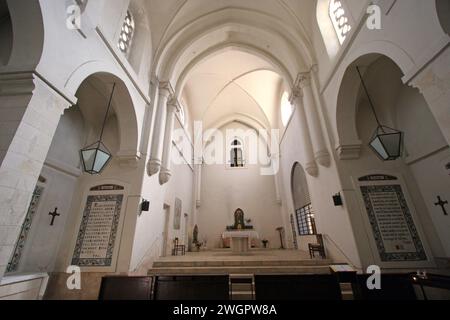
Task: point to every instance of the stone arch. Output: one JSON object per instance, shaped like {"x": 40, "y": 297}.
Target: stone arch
{"x": 443, "y": 12}
{"x": 22, "y": 34}
{"x": 210, "y": 52}
{"x": 299, "y": 186}
{"x": 123, "y": 104}
{"x": 246, "y": 120}
{"x": 348, "y": 143}
{"x": 292, "y": 45}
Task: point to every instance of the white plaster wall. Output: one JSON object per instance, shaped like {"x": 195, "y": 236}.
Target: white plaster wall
{"x": 225, "y": 189}
{"x": 427, "y": 154}
{"x": 44, "y": 253}
{"x": 180, "y": 186}
{"x": 60, "y": 171}
{"x": 411, "y": 53}
{"x": 148, "y": 237}
{"x": 331, "y": 221}
{"x": 70, "y": 137}
{"x": 433, "y": 180}
{"x": 393, "y": 101}
{"x": 43, "y": 241}
{"x": 412, "y": 36}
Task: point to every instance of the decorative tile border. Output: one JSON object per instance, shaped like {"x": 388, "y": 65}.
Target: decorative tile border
{"x": 294, "y": 233}
{"x": 13, "y": 265}
{"x": 419, "y": 254}
{"x": 107, "y": 260}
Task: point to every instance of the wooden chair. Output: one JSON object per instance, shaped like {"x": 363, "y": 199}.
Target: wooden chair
{"x": 317, "y": 247}
{"x": 178, "y": 248}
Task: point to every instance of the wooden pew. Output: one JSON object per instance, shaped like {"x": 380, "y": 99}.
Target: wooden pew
{"x": 191, "y": 288}
{"x": 393, "y": 287}
{"x": 297, "y": 287}
{"x": 126, "y": 288}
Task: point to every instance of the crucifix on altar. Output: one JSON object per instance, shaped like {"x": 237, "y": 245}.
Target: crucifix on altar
{"x": 54, "y": 214}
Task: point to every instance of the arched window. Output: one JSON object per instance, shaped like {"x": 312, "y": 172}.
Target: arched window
{"x": 339, "y": 19}
{"x": 304, "y": 213}
{"x": 127, "y": 33}
{"x": 286, "y": 109}
{"x": 236, "y": 154}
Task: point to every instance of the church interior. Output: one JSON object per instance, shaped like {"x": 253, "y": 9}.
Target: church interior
{"x": 224, "y": 150}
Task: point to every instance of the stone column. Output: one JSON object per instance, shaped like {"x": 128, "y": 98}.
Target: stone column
{"x": 198, "y": 185}
{"x": 309, "y": 164}
{"x": 29, "y": 115}
{"x": 154, "y": 164}
{"x": 276, "y": 157}
{"x": 321, "y": 153}
{"x": 165, "y": 174}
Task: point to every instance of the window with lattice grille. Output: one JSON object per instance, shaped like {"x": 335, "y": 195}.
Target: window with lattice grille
{"x": 126, "y": 34}
{"x": 339, "y": 19}
{"x": 305, "y": 221}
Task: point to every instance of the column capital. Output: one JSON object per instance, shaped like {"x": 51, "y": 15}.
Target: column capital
{"x": 173, "y": 104}
{"x": 166, "y": 89}
{"x": 164, "y": 176}
{"x": 312, "y": 169}
{"x": 296, "y": 93}
{"x": 303, "y": 80}
{"x": 153, "y": 166}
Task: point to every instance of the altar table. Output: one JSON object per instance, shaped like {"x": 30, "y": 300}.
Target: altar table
{"x": 240, "y": 239}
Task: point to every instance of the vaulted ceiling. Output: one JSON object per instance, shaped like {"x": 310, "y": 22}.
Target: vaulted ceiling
{"x": 217, "y": 81}
{"x": 233, "y": 82}
{"x": 169, "y": 16}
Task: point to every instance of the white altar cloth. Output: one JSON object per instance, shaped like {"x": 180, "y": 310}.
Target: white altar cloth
{"x": 240, "y": 239}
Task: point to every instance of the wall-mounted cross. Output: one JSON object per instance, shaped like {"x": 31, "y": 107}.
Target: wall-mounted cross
{"x": 54, "y": 214}
{"x": 442, "y": 204}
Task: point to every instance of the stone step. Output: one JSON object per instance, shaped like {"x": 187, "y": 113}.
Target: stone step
{"x": 294, "y": 270}
{"x": 239, "y": 263}
{"x": 242, "y": 296}
{"x": 241, "y": 287}
{"x": 347, "y": 291}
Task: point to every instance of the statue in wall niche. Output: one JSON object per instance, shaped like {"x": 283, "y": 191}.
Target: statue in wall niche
{"x": 197, "y": 244}
{"x": 239, "y": 221}
{"x": 195, "y": 235}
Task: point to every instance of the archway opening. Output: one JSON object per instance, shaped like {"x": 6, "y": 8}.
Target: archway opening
{"x": 65, "y": 196}
{"x": 304, "y": 213}
{"x": 420, "y": 175}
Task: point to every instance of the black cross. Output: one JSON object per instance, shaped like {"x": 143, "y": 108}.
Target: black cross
{"x": 54, "y": 214}
{"x": 442, "y": 204}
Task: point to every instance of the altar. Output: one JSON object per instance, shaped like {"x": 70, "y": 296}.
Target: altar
{"x": 240, "y": 239}
{"x": 240, "y": 233}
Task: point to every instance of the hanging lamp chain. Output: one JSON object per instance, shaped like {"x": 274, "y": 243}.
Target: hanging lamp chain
{"x": 370, "y": 99}
{"x": 106, "y": 114}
